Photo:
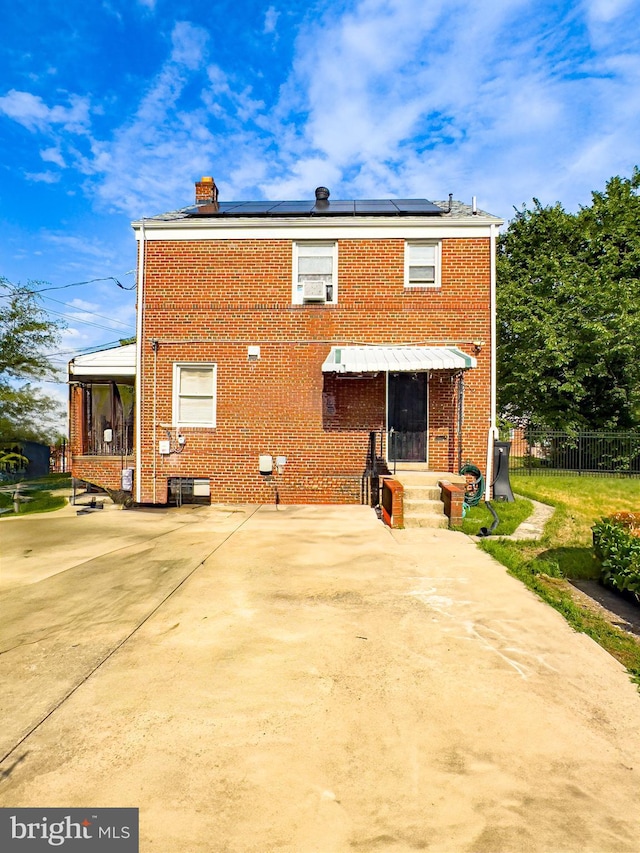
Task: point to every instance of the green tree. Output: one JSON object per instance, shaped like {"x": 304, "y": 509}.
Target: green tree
{"x": 26, "y": 333}
{"x": 568, "y": 312}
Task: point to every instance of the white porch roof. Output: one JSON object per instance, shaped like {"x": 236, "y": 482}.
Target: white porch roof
{"x": 105, "y": 364}
{"x": 403, "y": 359}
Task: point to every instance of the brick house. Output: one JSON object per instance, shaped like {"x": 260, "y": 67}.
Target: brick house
{"x": 285, "y": 334}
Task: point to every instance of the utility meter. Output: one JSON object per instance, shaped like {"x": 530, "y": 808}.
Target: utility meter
{"x": 266, "y": 464}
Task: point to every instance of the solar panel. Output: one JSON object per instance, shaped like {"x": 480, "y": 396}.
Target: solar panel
{"x": 382, "y": 205}
{"x": 252, "y": 208}
{"x": 333, "y": 208}
{"x": 370, "y": 207}
{"x": 416, "y": 205}
{"x": 288, "y": 208}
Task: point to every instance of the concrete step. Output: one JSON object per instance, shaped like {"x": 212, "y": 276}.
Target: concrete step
{"x": 426, "y": 478}
{"x": 414, "y": 505}
{"x": 422, "y": 502}
{"x": 431, "y": 521}
{"x": 421, "y": 493}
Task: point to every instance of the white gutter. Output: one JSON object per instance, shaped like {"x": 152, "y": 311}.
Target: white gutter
{"x": 139, "y": 327}
{"x": 493, "y": 429}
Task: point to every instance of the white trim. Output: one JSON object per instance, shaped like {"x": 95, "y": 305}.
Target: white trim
{"x": 493, "y": 430}
{"x": 331, "y": 229}
{"x": 139, "y": 327}
{"x": 177, "y": 367}
{"x": 427, "y": 435}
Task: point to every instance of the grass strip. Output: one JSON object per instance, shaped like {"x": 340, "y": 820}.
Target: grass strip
{"x": 511, "y": 515}
{"x": 565, "y": 551}
{"x": 42, "y": 494}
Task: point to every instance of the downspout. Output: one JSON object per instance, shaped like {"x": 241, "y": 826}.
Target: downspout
{"x": 139, "y": 326}
{"x": 460, "y": 415}
{"x": 493, "y": 430}
{"x": 154, "y": 344}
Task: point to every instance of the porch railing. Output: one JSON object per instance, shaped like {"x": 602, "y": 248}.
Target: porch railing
{"x": 121, "y": 443}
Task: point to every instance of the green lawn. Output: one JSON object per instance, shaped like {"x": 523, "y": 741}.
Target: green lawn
{"x": 510, "y": 515}
{"x": 44, "y": 493}
{"x": 565, "y": 551}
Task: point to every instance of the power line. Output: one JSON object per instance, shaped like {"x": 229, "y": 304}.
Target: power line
{"x": 81, "y": 350}
{"x": 72, "y": 284}
{"x": 88, "y": 322}
{"x": 89, "y": 281}
{"x": 85, "y": 311}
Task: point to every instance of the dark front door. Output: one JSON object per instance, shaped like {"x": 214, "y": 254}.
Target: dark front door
{"x": 408, "y": 417}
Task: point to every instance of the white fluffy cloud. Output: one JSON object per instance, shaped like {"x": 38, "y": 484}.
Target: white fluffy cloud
{"x": 387, "y": 97}
{"x": 31, "y": 111}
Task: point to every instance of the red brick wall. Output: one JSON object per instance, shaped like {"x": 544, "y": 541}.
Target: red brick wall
{"x": 76, "y": 420}
{"x": 103, "y": 471}
{"x": 206, "y": 301}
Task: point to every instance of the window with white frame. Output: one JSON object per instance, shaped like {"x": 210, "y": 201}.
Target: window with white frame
{"x": 422, "y": 263}
{"x": 315, "y": 272}
{"x": 194, "y": 395}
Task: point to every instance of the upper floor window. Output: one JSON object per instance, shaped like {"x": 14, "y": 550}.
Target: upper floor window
{"x": 315, "y": 272}
{"x": 422, "y": 263}
{"x": 194, "y": 395}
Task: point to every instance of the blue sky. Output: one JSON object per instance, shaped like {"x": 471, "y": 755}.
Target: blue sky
{"x": 110, "y": 111}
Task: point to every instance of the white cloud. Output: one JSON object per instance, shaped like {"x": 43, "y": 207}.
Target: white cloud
{"x": 31, "y": 111}
{"x": 392, "y": 97}
{"x": 43, "y": 177}
{"x": 189, "y": 45}
{"x": 53, "y": 155}
{"x": 605, "y": 11}
{"x": 83, "y": 249}
{"x": 270, "y": 20}
{"x": 493, "y": 100}
{"x": 83, "y": 304}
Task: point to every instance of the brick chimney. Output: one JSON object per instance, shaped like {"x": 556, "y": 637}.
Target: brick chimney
{"x": 206, "y": 191}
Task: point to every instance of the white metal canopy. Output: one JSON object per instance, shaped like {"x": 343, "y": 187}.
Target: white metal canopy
{"x": 107, "y": 363}
{"x": 402, "y": 359}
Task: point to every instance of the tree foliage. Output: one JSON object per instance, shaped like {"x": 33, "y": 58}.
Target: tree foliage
{"x": 569, "y": 311}
{"x": 26, "y": 334}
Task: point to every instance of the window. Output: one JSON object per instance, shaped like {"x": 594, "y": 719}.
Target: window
{"x": 422, "y": 264}
{"x": 315, "y": 267}
{"x": 194, "y": 395}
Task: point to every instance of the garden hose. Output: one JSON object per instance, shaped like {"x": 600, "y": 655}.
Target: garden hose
{"x": 475, "y": 489}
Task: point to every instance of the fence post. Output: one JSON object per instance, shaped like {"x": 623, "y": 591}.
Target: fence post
{"x": 579, "y": 456}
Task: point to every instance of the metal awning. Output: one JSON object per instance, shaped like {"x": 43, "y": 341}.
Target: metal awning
{"x": 373, "y": 359}
{"x": 111, "y": 363}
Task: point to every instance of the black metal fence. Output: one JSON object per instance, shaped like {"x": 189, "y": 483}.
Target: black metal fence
{"x": 592, "y": 453}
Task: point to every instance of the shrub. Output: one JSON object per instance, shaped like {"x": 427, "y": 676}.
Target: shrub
{"x": 616, "y": 542}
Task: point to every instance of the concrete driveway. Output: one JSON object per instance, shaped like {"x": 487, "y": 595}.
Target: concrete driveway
{"x": 304, "y": 680}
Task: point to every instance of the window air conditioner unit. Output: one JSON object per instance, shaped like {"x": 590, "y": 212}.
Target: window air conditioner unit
{"x": 314, "y": 291}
